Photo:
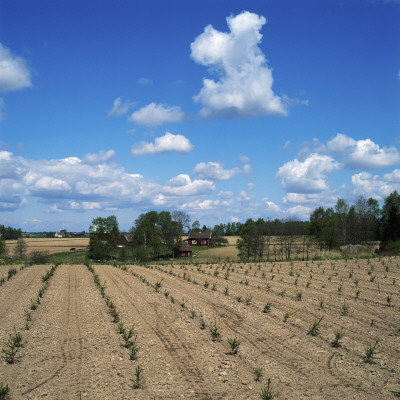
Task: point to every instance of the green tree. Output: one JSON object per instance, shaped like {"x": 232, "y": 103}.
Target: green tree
{"x": 3, "y": 248}
{"x": 251, "y": 243}
{"x": 323, "y": 226}
{"x": 103, "y": 235}
{"x": 196, "y": 226}
{"x": 170, "y": 232}
{"x": 146, "y": 234}
{"x": 20, "y": 249}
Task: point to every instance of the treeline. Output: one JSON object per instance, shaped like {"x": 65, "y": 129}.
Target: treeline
{"x": 362, "y": 223}
{"x": 9, "y": 233}
{"x": 259, "y": 240}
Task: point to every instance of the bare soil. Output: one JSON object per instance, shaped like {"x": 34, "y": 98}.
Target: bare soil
{"x": 73, "y": 348}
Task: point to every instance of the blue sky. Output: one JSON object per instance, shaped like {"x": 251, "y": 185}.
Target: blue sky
{"x": 225, "y": 110}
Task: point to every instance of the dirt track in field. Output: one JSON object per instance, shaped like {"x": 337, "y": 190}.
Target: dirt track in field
{"x": 73, "y": 350}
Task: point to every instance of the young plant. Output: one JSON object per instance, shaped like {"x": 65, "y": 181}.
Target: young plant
{"x": 157, "y": 286}
{"x": 203, "y": 323}
{"x": 267, "y": 308}
{"x": 226, "y": 291}
{"x": 258, "y": 374}
{"x": 127, "y": 335}
{"x": 299, "y": 295}
{"x": 338, "y": 337}
{"x": 133, "y": 349}
{"x": 286, "y": 317}
{"x": 215, "y": 332}
{"x": 11, "y": 347}
{"x": 371, "y": 352}
{"x": 4, "y": 391}
{"x": 248, "y": 300}
{"x": 33, "y": 305}
{"x": 183, "y": 304}
{"x": 137, "y": 383}
{"x": 28, "y": 315}
{"x": 345, "y": 308}
{"x": 235, "y": 344}
{"x": 266, "y": 393}
{"x": 193, "y": 314}
{"x": 314, "y": 328}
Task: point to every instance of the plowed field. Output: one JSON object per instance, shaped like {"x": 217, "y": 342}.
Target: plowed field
{"x": 74, "y": 350}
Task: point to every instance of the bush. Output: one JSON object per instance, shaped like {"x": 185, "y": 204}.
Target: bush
{"x": 39, "y": 257}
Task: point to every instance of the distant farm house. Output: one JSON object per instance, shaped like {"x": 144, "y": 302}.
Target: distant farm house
{"x": 59, "y": 235}
{"x": 199, "y": 238}
{"x": 125, "y": 240}
{"x": 183, "y": 252}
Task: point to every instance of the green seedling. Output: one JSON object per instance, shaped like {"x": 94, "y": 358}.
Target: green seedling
{"x": 258, "y": 374}
{"x": 267, "y": 308}
{"x": 4, "y": 391}
{"x": 345, "y": 308}
{"x": 314, "y": 328}
{"x": 266, "y": 393}
{"x": 338, "y": 337}
{"x": 371, "y": 352}
{"x": 215, "y": 332}
{"x": 137, "y": 383}
{"x": 235, "y": 344}
{"x": 286, "y": 317}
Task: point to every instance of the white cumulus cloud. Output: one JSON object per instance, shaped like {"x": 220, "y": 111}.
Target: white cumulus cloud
{"x": 214, "y": 170}
{"x": 244, "y": 87}
{"x": 157, "y": 114}
{"x": 362, "y": 153}
{"x": 308, "y": 176}
{"x": 168, "y": 142}
{"x": 14, "y": 73}
{"x": 182, "y": 185}
{"x": 99, "y": 158}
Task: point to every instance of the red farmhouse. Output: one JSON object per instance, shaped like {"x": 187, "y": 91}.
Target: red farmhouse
{"x": 199, "y": 238}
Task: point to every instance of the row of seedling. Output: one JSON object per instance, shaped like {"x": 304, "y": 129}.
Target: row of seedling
{"x": 35, "y": 303}
{"x": 10, "y": 274}
{"x": 128, "y": 334}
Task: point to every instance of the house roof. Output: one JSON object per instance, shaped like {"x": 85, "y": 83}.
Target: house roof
{"x": 200, "y": 235}
{"x": 185, "y": 248}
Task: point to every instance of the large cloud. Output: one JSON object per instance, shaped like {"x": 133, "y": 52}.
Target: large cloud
{"x": 362, "y": 153}
{"x": 96, "y": 182}
{"x": 168, "y": 142}
{"x": 157, "y": 114}
{"x": 376, "y": 186}
{"x": 14, "y": 74}
{"x": 245, "y": 82}
{"x": 308, "y": 176}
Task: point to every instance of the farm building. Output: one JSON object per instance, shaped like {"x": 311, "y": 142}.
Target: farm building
{"x": 202, "y": 238}
{"x": 59, "y": 235}
{"x": 125, "y": 240}
{"x": 183, "y": 252}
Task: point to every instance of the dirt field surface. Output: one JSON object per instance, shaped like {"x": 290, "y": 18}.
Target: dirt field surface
{"x": 74, "y": 350}
{"x": 51, "y": 245}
